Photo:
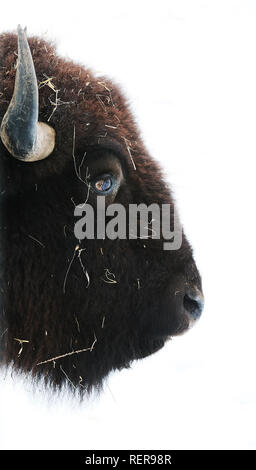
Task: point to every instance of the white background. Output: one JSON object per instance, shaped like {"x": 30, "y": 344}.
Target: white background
{"x": 189, "y": 70}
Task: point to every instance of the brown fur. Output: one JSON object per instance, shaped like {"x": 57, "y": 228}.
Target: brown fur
{"x": 90, "y": 330}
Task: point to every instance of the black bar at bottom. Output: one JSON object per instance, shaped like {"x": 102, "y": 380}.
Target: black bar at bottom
{"x": 120, "y": 458}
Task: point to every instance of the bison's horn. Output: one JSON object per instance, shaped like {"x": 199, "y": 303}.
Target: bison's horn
{"x": 21, "y": 133}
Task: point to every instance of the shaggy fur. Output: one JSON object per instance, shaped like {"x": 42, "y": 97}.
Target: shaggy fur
{"x": 72, "y": 312}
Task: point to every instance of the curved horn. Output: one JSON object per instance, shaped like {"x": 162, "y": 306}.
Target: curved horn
{"x": 21, "y": 133}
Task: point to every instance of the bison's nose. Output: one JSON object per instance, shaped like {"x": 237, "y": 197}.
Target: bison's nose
{"x": 193, "y": 302}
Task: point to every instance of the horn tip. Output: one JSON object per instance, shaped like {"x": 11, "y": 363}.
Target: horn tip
{"x": 21, "y": 30}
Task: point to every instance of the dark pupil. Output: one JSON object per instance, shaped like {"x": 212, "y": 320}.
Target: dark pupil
{"x": 104, "y": 184}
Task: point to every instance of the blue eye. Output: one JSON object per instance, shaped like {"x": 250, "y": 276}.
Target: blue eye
{"x": 103, "y": 184}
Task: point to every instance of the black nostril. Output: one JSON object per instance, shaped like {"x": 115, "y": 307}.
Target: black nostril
{"x": 193, "y": 302}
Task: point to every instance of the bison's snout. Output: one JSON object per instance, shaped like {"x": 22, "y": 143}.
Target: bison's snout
{"x": 193, "y": 302}
{"x": 186, "y": 306}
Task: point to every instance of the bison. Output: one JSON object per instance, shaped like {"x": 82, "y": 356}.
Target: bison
{"x": 74, "y": 309}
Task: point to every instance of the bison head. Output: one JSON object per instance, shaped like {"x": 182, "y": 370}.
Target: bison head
{"x": 75, "y": 309}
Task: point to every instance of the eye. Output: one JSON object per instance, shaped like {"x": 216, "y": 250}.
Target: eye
{"x": 103, "y": 184}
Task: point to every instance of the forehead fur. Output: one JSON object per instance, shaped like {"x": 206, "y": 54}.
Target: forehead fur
{"x": 72, "y": 99}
